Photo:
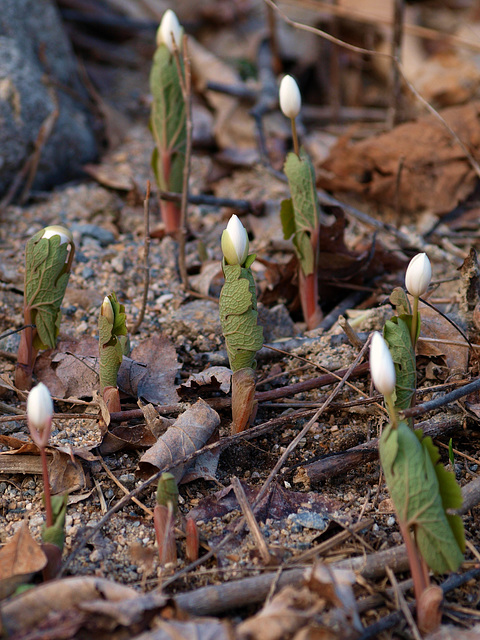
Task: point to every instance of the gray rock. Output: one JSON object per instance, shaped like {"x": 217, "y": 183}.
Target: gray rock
{"x": 276, "y": 322}
{"x": 103, "y": 236}
{"x": 37, "y": 72}
{"x": 198, "y": 318}
{"x": 310, "y": 520}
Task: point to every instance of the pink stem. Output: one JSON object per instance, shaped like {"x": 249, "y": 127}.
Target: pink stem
{"x": 420, "y": 578}
{"x": 309, "y": 298}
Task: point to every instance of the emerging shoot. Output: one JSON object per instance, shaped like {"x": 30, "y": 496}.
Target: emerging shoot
{"x": 168, "y": 118}
{"x": 113, "y": 344}
{"x": 48, "y": 261}
{"x": 238, "y": 316}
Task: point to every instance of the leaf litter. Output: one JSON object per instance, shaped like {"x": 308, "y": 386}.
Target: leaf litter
{"x": 174, "y": 344}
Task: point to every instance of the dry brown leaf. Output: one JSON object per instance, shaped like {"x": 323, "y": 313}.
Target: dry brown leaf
{"x": 213, "y": 378}
{"x": 448, "y": 632}
{"x": 70, "y": 375}
{"x": 211, "y": 274}
{"x": 443, "y": 340}
{"x": 28, "y": 610}
{"x": 336, "y": 586}
{"x": 278, "y": 504}
{"x": 126, "y": 437}
{"x": 434, "y": 173}
{"x": 66, "y": 475}
{"x": 114, "y": 176}
{"x": 189, "y": 433}
{"x": 108, "y": 615}
{"x": 20, "y": 558}
{"x": 282, "y": 616}
{"x": 151, "y": 374}
{"x": 203, "y": 629}
{"x": 447, "y": 78}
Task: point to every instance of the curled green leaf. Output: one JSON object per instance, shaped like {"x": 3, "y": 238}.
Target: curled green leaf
{"x": 422, "y": 490}
{"x": 113, "y": 342}
{"x": 56, "y": 533}
{"x": 167, "y": 491}
{"x": 397, "y": 335}
{"x": 47, "y": 269}
{"x": 301, "y": 214}
{"x": 167, "y": 121}
{"x": 238, "y": 315}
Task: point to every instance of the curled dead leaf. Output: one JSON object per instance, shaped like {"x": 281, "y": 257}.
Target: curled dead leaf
{"x": 189, "y": 433}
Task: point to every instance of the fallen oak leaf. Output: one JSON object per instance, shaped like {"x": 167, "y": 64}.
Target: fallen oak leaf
{"x": 66, "y": 475}
{"x": 29, "y": 609}
{"x": 151, "y": 373}
{"x": 190, "y": 432}
{"x": 20, "y": 559}
{"x": 283, "y": 615}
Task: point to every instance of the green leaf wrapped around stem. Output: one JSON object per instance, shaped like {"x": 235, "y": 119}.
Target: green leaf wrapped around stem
{"x": 48, "y": 263}
{"x": 397, "y": 335}
{"x": 422, "y": 491}
{"x": 113, "y": 340}
{"x": 238, "y": 315}
{"x": 168, "y": 126}
{"x": 301, "y": 220}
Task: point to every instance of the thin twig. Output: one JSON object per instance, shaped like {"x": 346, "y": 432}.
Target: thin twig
{"x": 347, "y": 10}
{"x": 456, "y": 394}
{"x": 146, "y": 252}
{"x": 248, "y": 206}
{"x": 148, "y": 511}
{"x": 9, "y": 333}
{"x": 402, "y": 603}
{"x": 251, "y": 520}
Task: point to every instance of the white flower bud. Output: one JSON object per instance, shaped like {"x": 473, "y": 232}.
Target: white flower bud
{"x": 290, "y": 98}
{"x": 106, "y": 310}
{"x": 39, "y": 414}
{"x": 235, "y": 242}
{"x": 169, "y": 28}
{"x": 418, "y": 275}
{"x": 57, "y": 230}
{"x": 382, "y": 368}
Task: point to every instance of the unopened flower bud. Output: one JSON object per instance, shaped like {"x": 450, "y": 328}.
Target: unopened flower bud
{"x": 235, "y": 242}
{"x": 39, "y": 414}
{"x": 382, "y": 368}
{"x": 106, "y": 310}
{"x": 169, "y": 28}
{"x": 58, "y": 230}
{"x": 290, "y": 98}
{"x": 418, "y": 275}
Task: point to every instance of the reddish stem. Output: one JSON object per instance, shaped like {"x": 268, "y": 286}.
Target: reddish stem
{"x": 171, "y": 213}
{"x": 170, "y": 216}
{"x": 309, "y": 298}
{"x": 46, "y": 488}
{"x": 27, "y": 354}
{"x": 420, "y": 578}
